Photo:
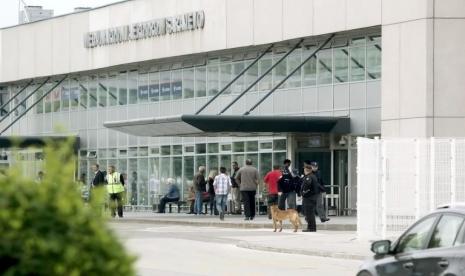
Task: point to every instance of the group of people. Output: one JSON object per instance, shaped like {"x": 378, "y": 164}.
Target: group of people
{"x": 240, "y": 185}
{"x": 285, "y": 185}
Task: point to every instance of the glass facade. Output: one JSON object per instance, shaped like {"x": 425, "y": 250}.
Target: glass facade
{"x": 341, "y": 81}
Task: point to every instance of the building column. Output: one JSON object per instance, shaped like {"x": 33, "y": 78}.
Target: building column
{"x": 422, "y": 68}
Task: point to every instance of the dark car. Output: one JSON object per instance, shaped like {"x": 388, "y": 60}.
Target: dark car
{"x": 434, "y": 245}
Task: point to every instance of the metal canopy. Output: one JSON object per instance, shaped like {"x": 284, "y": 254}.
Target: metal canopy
{"x": 230, "y": 125}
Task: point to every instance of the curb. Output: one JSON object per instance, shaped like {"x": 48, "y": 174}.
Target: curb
{"x": 225, "y": 224}
{"x": 317, "y": 253}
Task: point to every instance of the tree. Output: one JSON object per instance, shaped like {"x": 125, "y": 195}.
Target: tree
{"x": 46, "y": 229}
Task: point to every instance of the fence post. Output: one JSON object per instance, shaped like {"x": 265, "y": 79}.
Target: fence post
{"x": 432, "y": 172}
{"x": 417, "y": 179}
{"x": 383, "y": 190}
{"x": 453, "y": 164}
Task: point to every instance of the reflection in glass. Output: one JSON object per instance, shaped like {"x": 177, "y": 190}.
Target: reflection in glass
{"x": 200, "y": 82}
{"x": 341, "y": 65}
{"x": 325, "y": 71}
{"x": 93, "y": 91}
{"x": 294, "y": 60}
{"x": 112, "y": 90}
{"x": 238, "y": 86}
{"x": 374, "y": 61}
{"x": 83, "y": 101}
{"x": 154, "y": 87}
{"x": 309, "y": 69}
{"x": 280, "y": 71}
{"x": 176, "y": 84}
{"x": 165, "y": 85}
{"x": 154, "y": 180}
{"x": 188, "y": 83}
{"x": 132, "y": 181}
{"x": 143, "y": 93}
{"x": 225, "y": 76}
{"x": 132, "y": 87}
{"x": 251, "y": 75}
{"x": 212, "y": 79}
{"x": 102, "y": 91}
{"x": 65, "y": 95}
{"x": 142, "y": 169}
{"x": 357, "y": 64}
{"x": 177, "y": 173}
{"x": 263, "y": 65}
{"x": 122, "y": 88}
{"x": 188, "y": 173}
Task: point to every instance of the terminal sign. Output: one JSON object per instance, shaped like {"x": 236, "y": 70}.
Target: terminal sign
{"x": 153, "y": 28}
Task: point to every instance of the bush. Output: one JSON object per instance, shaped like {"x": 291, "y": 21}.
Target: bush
{"x": 46, "y": 229}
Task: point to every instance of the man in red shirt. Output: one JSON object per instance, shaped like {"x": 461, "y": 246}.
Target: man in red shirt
{"x": 271, "y": 181}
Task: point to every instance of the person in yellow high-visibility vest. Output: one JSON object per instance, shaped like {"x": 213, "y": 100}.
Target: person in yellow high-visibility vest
{"x": 115, "y": 189}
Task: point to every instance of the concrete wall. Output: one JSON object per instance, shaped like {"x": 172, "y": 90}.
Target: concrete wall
{"x": 55, "y": 46}
{"x": 422, "y": 83}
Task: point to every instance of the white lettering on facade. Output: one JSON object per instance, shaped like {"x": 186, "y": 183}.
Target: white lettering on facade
{"x": 169, "y": 25}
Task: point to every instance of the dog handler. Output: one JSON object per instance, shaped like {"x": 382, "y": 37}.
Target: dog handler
{"x": 310, "y": 192}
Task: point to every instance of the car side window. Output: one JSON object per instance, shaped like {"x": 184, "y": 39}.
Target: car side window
{"x": 417, "y": 237}
{"x": 446, "y": 231}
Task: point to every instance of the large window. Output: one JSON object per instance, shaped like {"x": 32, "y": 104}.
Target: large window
{"x": 417, "y": 237}
{"x": 446, "y": 231}
{"x": 93, "y": 91}
{"x": 280, "y": 71}
{"x": 374, "y": 61}
{"x": 225, "y": 76}
{"x": 309, "y": 69}
{"x": 238, "y": 86}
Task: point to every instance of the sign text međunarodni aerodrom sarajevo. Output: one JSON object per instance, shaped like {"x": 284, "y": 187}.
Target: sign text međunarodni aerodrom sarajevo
{"x": 153, "y": 28}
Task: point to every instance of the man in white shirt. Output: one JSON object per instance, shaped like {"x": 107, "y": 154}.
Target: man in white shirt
{"x": 222, "y": 186}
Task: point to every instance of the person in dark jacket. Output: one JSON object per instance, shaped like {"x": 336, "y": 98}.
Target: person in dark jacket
{"x": 310, "y": 193}
{"x": 99, "y": 176}
{"x": 287, "y": 186}
{"x": 211, "y": 192}
{"x": 171, "y": 196}
{"x": 320, "y": 206}
{"x": 199, "y": 187}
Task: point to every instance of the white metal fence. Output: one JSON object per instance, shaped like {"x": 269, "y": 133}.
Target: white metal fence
{"x": 400, "y": 180}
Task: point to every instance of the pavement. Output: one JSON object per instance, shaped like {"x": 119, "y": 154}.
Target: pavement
{"x": 204, "y": 250}
{"x": 331, "y": 240}
{"x": 233, "y": 221}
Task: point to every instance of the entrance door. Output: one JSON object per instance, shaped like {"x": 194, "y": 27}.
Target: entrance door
{"x": 340, "y": 180}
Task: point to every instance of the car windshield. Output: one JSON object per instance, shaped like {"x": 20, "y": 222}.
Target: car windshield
{"x": 417, "y": 237}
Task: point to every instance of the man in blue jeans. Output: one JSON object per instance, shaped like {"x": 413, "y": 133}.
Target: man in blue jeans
{"x": 199, "y": 187}
{"x": 222, "y": 186}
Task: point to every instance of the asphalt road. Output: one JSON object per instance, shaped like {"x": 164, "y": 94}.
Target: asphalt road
{"x": 187, "y": 250}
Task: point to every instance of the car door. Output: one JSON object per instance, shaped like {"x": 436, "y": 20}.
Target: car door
{"x": 414, "y": 239}
{"x": 440, "y": 256}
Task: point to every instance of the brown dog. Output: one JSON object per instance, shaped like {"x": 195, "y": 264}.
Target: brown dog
{"x": 280, "y": 215}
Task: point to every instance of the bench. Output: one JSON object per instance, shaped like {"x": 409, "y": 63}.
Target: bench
{"x": 179, "y": 204}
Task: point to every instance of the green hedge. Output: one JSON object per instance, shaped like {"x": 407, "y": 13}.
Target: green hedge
{"x": 45, "y": 228}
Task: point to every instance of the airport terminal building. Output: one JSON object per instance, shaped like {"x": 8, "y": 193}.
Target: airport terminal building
{"x": 160, "y": 87}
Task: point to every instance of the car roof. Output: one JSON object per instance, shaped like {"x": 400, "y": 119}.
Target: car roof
{"x": 457, "y": 207}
